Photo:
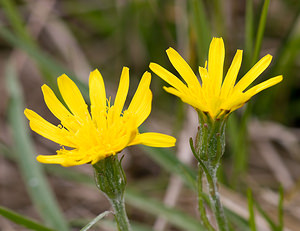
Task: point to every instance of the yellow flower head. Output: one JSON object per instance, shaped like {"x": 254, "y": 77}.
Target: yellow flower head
{"x": 214, "y": 95}
{"x": 102, "y": 132}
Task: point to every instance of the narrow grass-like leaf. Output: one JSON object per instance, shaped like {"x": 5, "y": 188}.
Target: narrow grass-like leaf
{"x": 43, "y": 60}
{"x": 169, "y": 162}
{"x": 260, "y": 31}
{"x": 219, "y": 17}
{"x": 251, "y": 211}
{"x": 266, "y": 217}
{"x": 200, "y": 24}
{"x": 237, "y": 131}
{"x": 249, "y": 32}
{"x": 111, "y": 225}
{"x": 15, "y": 19}
{"x": 31, "y": 172}
{"x": 22, "y": 220}
{"x": 95, "y": 220}
{"x": 177, "y": 217}
{"x": 280, "y": 209}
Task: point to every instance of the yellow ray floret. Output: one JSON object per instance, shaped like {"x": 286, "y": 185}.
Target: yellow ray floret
{"x": 103, "y": 131}
{"x": 214, "y": 95}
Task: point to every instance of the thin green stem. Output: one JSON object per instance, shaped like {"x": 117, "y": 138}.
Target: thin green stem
{"x": 211, "y": 177}
{"x": 201, "y": 207}
{"x": 120, "y": 214}
{"x": 111, "y": 180}
{"x": 209, "y": 148}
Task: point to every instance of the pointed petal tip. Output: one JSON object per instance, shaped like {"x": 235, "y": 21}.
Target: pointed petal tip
{"x": 95, "y": 71}
{"x": 170, "y": 49}
{"x": 152, "y": 64}
{"x": 146, "y": 76}
{"x": 63, "y": 76}
{"x": 26, "y": 111}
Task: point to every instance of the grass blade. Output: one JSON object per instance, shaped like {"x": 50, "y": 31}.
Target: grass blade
{"x": 280, "y": 209}
{"x": 177, "y": 217}
{"x": 111, "y": 225}
{"x": 168, "y": 161}
{"x": 260, "y": 31}
{"x": 33, "y": 175}
{"x": 251, "y": 210}
{"x": 201, "y": 26}
{"x": 249, "y": 32}
{"x": 22, "y": 220}
{"x": 95, "y": 220}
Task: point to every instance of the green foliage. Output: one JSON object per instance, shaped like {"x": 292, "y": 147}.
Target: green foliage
{"x": 22, "y": 220}
{"x": 133, "y": 33}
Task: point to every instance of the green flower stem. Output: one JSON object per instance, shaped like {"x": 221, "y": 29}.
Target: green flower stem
{"x": 111, "y": 180}
{"x": 216, "y": 203}
{"x": 201, "y": 207}
{"x": 120, "y": 214}
{"x": 209, "y": 148}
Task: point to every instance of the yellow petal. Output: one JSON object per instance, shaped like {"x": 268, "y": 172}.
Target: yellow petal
{"x": 215, "y": 64}
{"x": 122, "y": 92}
{"x": 46, "y": 129}
{"x": 232, "y": 74}
{"x": 183, "y": 69}
{"x": 141, "y": 101}
{"x": 153, "y": 139}
{"x": 262, "y": 86}
{"x": 98, "y": 98}
{"x": 72, "y": 97}
{"x": 174, "y": 91}
{"x": 253, "y": 73}
{"x": 51, "y": 159}
{"x": 234, "y": 102}
{"x": 59, "y": 110}
{"x": 168, "y": 77}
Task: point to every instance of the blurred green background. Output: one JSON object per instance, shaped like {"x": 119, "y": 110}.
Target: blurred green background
{"x": 42, "y": 39}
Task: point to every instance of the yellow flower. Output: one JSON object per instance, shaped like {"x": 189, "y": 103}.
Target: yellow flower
{"x": 105, "y": 131}
{"x": 214, "y": 95}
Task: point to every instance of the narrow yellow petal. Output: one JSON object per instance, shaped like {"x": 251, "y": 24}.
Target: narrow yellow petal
{"x": 234, "y": 102}
{"x": 122, "y": 92}
{"x": 97, "y": 97}
{"x": 183, "y": 69}
{"x": 140, "y": 92}
{"x": 51, "y": 159}
{"x": 215, "y": 64}
{"x": 262, "y": 86}
{"x": 253, "y": 73}
{"x": 141, "y": 101}
{"x": 232, "y": 74}
{"x": 168, "y": 77}
{"x": 72, "y": 97}
{"x": 174, "y": 91}
{"x": 46, "y": 129}
{"x": 154, "y": 139}
{"x": 59, "y": 110}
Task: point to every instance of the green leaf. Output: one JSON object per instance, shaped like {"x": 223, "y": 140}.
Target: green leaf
{"x": 260, "y": 31}
{"x": 251, "y": 210}
{"x": 95, "y": 220}
{"x": 33, "y": 175}
{"x": 200, "y": 24}
{"x": 112, "y": 225}
{"x": 249, "y": 32}
{"x": 22, "y": 220}
{"x": 174, "y": 216}
{"x": 280, "y": 209}
{"x": 170, "y": 162}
